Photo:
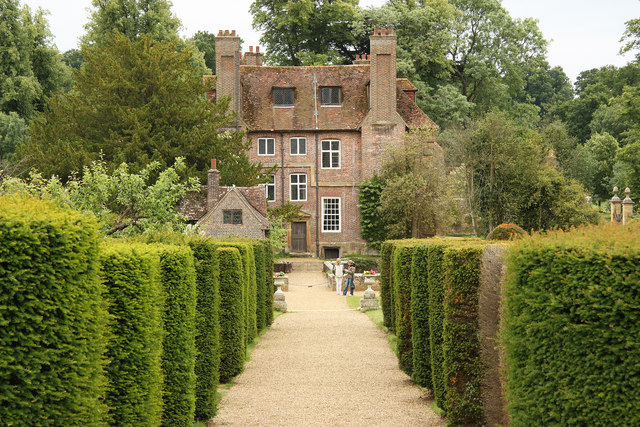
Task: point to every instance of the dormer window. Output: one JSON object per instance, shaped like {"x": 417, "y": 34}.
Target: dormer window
{"x": 283, "y": 96}
{"x": 331, "y": 95}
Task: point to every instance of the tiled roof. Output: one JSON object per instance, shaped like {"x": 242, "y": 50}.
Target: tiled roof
{"x": 405, "y": 84}
{"x": 194, "y": 204}
{"x": 410, "y": 112}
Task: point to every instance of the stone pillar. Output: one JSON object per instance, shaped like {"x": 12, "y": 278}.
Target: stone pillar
{"x": 278, "y": 301}
{"x": 627, "y": 207}
{"x": 616, "y": 207}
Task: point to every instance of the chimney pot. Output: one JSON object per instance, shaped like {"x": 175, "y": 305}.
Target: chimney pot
{"x": 251, "y": 49}
{"x": 213, "y": 164}
{"x": 226, "y": 32}
{"x": 383, "y": 32}
{"x": 219, "y": 33}
{"x": 375, "y": 31}
{"x": 368, "y": 57}
{"x": 233, "y": 32}
{"x": 257, "y": 49}
{"x": 390, "y": 31}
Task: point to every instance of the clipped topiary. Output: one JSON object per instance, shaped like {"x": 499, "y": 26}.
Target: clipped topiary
{"x": 506, "y": 232}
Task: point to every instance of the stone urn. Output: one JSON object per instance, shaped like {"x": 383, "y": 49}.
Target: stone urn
{"x": 370, "y": 301}
{"x": 370, "y": 280}
{"x": 281, "y": 281}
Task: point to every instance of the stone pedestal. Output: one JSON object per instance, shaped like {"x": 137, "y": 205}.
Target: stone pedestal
{"x": 278, "y": 301}
{"x": 370, "y": 301}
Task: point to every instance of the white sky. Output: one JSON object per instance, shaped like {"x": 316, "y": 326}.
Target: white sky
{"x": 583, "y": 34}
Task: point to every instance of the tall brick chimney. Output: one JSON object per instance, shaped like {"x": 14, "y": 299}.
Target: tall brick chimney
{"x": 253, "y": 59}
{"x": 383, "y": 75}
{"x": 228, "y": 58}
{"x": 213, "y": 185}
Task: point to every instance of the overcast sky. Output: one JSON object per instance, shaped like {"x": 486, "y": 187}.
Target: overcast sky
{"x": 583, "y": 34}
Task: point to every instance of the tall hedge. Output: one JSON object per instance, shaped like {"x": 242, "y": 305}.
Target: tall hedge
{"x": 261, "y": 283}
{"x": 401, "y": 272}
{"x": 232, "y": 324}
{"x": 386, "y": 289}
{"x": 52, "y": 316}
{"x": 177, "y": 275}
{"x": 460, "y": 343}
{"x": 572, "y": 324}
{"x": 269, "y": 290}
{"x": 130, "y": 275}
{"x": 420, "y": 333}
{"x": 435, "y": 283}
{"x": 207, "y": 364}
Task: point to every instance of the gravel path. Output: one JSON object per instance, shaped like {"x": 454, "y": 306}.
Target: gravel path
{"x": 322, "y": 364}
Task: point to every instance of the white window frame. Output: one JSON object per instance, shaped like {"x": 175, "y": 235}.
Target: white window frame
{"x": 331, "y": 151}
{"x": 298, "y": 184}
{"x": 266, "y": 146}
{"x": 298, "y": 141}
{"x": 268, "y": 185}
{"x": 324, "y": 215}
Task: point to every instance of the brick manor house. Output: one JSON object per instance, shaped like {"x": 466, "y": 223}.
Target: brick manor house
{"x": 325, "y": 126}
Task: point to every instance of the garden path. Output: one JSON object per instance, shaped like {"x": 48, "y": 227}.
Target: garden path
{"x": 322, "y": 364}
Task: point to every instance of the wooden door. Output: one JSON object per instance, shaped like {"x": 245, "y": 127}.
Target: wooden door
{"x": 299, "y": 237}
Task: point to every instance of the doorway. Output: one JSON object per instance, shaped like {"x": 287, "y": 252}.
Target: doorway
{"x": 299, "y": 237}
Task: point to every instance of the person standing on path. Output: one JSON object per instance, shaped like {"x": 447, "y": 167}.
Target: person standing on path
{"x": 351, "y": 271}
{"x": 338, "y": 273}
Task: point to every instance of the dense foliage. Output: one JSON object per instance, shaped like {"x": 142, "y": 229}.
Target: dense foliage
{"x": 52, "y": 318}
{"x": 571, "y": 320}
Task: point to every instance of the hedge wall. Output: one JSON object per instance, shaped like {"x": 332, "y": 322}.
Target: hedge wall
{"x": 269, "y": 290}
{"x": 207, "y": 364}
{"x": 571, "y": 328}
{"x": 232, "y": 324}
{"x": 52, "y": 316}
{"x": 386, "y": 286}
{"x": 261, "y": 283}
{"x": 462, "y": 368}
{"x": 420, "y": 334}
{"x": 401, "y": 273}
{"x": 130, "y": 275}
{"x": 177, "y": 275}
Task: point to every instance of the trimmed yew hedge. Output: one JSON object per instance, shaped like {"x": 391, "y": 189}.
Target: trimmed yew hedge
{"x": 52, "y": 316}
{"x": 386, "y": 285}
{"x": 232, "y": 324}
{"x": 435, "y": 284}
{"x": 130, "y": 275}
{"x": 177, "y": 275}
{"x": 572, "y": 323}
{"x": 420, "y": 333}
{"x": 401, "y": 273}
{"x": 207, "y": 364}
{"x": 261, "y": 283}
{"x": 269, "y": 290}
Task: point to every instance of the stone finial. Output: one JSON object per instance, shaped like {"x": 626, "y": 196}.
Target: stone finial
{"x": 627, "y": 207}
{"x": 616, "y": 207}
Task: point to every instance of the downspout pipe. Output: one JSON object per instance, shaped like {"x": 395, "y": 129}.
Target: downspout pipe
{"x": 317, "y": 137}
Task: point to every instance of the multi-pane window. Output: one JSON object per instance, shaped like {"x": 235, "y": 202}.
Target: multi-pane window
{"x": 330, "y": 95}
{"x": 331, "y": 214}
{"x": 298, "y": 146}
{"x": 266, "y": 146}
{"x": 330, "y": 154}
{"x": 298, "y": 187}
{"x": 283, "y": 96}
{"x": 232, "y": 216}
{"x": 271, "y": 189}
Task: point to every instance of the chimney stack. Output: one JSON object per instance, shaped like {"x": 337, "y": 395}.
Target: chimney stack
{"x": 213, "y": 185}
{"x": 228, "y": 58}
{"x": 383, "y": 76}
{"x": 253, "y": 59}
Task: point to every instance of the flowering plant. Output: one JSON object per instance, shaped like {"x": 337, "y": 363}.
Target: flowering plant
{"x": 369, "y": 272}
{"x": 280, "y": 274}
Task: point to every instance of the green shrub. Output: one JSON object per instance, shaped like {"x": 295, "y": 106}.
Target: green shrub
{"x": 386, "y": 294}
{"x": 207, "y": 365}
{"x": 460, "y": 330}
{"x": 52, "y": 316}
{"x": 232, "y": 324}
{"x": 571, "y": 327}
{"x": 420, "y": 335}
{"x": 130, "y": 275}
{"x": 435, "y": 284}
{"x": 506, "y": 232}
{"x": 261, "y": 283}
{"x": 401, "y": 262}
{"x": 268, "y": 297}
{"x": 177, "y": 275}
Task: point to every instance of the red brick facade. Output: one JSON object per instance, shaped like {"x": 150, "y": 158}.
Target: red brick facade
{"x": 343, "y": 116}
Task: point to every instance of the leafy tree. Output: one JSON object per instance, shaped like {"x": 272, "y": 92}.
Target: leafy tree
{"x": 631, "y": 37}
{"x": 133, "y": 18}
{"x": 30, "y": 67}
{"x": 73, "y": 58}
{"x": 546, "y": 87}
{"x": 13, "y": 133}
{"x": 414, "y": 200}
{"x": 206, "y": 43}
{"x": 125, "y": 202}
{"x": 306, "y": 32}
{"x": 133, "y": 102}
{"x": 603, "y": 149}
